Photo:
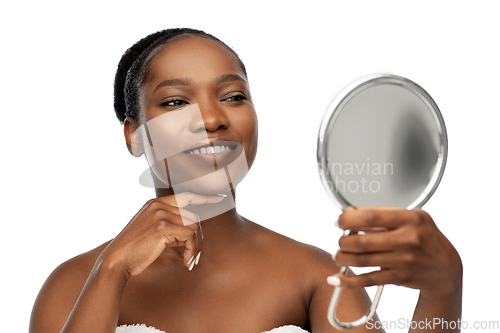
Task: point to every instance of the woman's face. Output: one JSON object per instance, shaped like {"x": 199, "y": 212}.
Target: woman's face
{"x": 200, "y": 121}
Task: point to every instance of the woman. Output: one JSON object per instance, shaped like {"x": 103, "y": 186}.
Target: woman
{"x": 248, "y": 278}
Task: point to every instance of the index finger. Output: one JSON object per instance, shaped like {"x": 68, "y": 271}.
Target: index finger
{"x": 375, "y": 217}
{"x": 189, "y": 198}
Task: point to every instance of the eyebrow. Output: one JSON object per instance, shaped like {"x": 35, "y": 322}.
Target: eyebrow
{"x": 185, "y": 82}
{"x": 173, "y": 82}
{"x": 229, "y": 78}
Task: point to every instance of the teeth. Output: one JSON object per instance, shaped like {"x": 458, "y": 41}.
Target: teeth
{"x": 210, "y": 150}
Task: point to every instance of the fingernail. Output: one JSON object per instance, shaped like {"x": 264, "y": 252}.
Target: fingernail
{"x": 333, "y": 281}
{"x": 334, "y": 256}
{"x": 197, "y": 258}
{"x": 222, "y": 194}
{"x": 191, "y": 267}
{"x": 337, "y": 223}
{"x": 192, "y": 257}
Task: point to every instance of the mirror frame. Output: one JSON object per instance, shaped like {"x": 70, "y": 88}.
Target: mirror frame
{"x": 337, "y": 106}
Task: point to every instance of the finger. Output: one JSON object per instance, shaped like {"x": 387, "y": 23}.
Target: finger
{"x": 383, "y": 276}
{"x": 201, "y": 229}
{"x": 176, "y": 244}
{"x": 384, "y": 260}
{"x": 376, "y": 217}
{"x": 187, "y": 216}
{"x": 188, "y": 198}
{"x": 195, "y": 258}
{"x": 370, "y": 242}
{"x": 174, "y": 234}
{"x": 191, "y": 250}
{"x": 200, "y": 243}
{"x": 175, "y": 215}
{"x": 196, "y": 228}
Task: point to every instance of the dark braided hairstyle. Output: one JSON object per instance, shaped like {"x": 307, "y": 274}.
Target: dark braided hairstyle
{"x": 133, "y": 68}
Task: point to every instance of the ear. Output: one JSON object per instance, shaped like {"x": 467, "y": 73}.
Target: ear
{"x": 132, "y": 137}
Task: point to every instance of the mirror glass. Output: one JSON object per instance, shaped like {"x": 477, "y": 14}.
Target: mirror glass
{"x": 382, "y": 142}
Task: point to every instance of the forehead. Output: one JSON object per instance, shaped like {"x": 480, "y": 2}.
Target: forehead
{"x": 194, "y": 57}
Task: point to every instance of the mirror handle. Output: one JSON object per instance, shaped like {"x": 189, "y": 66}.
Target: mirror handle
{"x": 332, "y": 307}
{"x": 340, "y": 325}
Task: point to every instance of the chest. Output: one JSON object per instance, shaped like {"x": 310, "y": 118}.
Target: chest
{"x": 230, "y": 300}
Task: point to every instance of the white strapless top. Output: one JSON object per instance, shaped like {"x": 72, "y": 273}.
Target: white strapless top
{"x": 141, "y": 328}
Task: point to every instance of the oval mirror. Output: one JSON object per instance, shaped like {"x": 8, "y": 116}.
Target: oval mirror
{"x": 382, "y": 142}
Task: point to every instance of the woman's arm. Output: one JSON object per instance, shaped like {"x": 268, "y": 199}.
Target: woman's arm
{"x": 411, "y": 252}
{"x": 60, "y": 307}
{"x": 438, "y": 312}
{"x": 67, "y": 303}
{"x": 354, "y": 303}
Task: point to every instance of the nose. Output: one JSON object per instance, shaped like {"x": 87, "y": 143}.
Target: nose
{"x": 212, "y": 118}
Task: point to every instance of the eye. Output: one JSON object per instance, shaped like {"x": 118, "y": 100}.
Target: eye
{"x": 236, "y": 98}
{"x": 173, "y": 102}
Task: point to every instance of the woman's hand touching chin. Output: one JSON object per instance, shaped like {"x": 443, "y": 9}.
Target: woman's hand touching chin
{"x": 406, "y": 245}
{"x": 161, "y": 223}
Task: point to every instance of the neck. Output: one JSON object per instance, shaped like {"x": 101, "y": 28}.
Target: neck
{"x": 221, "y": 216}
{"x": 223, "y": 228}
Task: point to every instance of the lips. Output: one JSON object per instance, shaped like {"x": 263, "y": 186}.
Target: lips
{"x": 200, "y": 159}
{"x": 214, "y": 152}
{"x": 212, "y": 146}
{"x": 210, "y": 150}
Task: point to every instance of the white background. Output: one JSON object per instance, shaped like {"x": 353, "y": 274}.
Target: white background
{"x": 69, "y": 184}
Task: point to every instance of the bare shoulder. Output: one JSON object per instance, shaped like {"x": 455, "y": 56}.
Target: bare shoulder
{"x": 317, "y": 262}
{"x": 308, "y": 267}
{"x": 62, "y": 288}
{"x": 77, "y": 268}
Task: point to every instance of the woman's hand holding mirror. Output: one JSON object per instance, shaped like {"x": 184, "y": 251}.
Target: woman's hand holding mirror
{"x": 411, "y": 252}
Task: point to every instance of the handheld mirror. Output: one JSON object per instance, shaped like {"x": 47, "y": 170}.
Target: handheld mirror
{"x": 382, "y": 142}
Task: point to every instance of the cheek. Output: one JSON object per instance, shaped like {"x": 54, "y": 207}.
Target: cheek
{"x": 170, "y": 132}
{"x": 249, "y": 128}
{"x": 165, "y": 140}
{"x": 247, "y": 122}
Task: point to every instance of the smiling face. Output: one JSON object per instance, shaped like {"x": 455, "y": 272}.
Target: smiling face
{"x": 198, "y": 115}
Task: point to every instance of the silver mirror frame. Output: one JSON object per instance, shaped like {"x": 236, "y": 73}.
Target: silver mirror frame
{"x": 326, "y": 127}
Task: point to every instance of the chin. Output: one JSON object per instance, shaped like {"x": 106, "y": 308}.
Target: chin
{"x": 217, "y": 182}
{"x": 212, "y": 183}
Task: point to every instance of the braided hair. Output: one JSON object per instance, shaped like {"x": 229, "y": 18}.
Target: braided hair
{"x": 133, "y": 69}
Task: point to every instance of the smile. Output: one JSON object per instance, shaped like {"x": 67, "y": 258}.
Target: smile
{"x": 214, "y": 153}
{"x": 210, "y": 150}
